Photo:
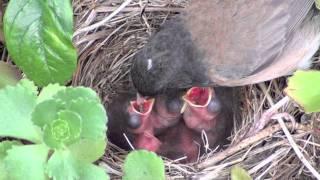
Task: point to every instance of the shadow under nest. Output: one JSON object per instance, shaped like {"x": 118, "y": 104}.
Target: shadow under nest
{"x": 105, "y": 55}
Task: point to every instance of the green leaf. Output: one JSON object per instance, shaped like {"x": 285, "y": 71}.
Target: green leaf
{"x": 86, "y": 103}
{"x": 63, "y": 131}
{"x": 46, "y": 111}
{"x": 94, "y": 118}
{"x": 4, "y": 147}
{"x": 88, "y": 106}
{"x": 90, "y": 172}
{"x": 73, "y": 121}
{"x": 48, "y": 92}
{"x": 63, "y": 166}
{"x": 72, "y": 93}
{"x": 26, "y": 162}
{"x": 96, "y": 150}
{"x": 143, "y": 165}
{"x": 83, "y": 102}
{"x": 3, "y": 172}
{"x": 63, "y": 12}
{"x": 238, "y": 173}
{"x": 38, "y": 36}
{"x": 317, "y": 3}
{"x": 304, "y": 88}
{"x": 16, "y": 105}
{"x": 26, "y": 83}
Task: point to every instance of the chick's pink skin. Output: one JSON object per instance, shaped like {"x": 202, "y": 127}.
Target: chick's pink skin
{"x": 144, "y": 135}
{"x": 148, "y": 141}
{"x": 155, "y": 116}
{"x": 196, "y": 113}
{"x": 143, "y": 111}
{"x": 180, "y": 142}
{"x": 178, "y": 138}
{"x": 189, "y": 146}
{"x": 162, "y": 116}
{"x": 155, "y": 113}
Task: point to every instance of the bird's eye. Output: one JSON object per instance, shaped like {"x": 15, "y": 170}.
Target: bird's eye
{"x": 174, "y": 105}
{"x": 214, "y": 106}
{"x": 134, "y": 121}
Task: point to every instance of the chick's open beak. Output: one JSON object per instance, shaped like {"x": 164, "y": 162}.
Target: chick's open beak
{"x": 139, "y": 112}
{"x": 197, "y": 97}
{"x": 141, "y": 124}
{"x": 196, "y": 110}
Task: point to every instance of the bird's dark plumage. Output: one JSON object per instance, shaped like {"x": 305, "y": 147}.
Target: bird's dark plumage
{"x": 167, "y": 62}
{"x": 229, "y": 43}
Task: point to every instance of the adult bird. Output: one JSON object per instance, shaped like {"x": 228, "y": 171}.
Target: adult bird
{"x": 225, "y": 43}
{"x": 228, "y": 43}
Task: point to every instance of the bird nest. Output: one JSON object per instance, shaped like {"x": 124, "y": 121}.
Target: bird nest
{"x": 108, "y": 33}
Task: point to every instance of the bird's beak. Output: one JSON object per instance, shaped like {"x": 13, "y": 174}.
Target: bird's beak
{"x": 145, "y": 139}
{"x": 142, "y": 105}
{"x": 140, "y": 108}
{"x": 196, "y": 113}
{"x": 197, "y": 97}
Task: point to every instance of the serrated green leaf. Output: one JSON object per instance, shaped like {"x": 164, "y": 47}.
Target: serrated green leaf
{"x": 74, "y": 125}
{"x": 26, "y": 83}
{"x": 304, "y": 89}
{"x": 89, "y": 155}
{"x": 92, "y": 113}
{"x": 90, "y": 172}
{"x": 16, "y": 105}
{"x": 94, "y": 118}
{"x": 48, "y": 92}
{"x": 72, "y": 93}
{"x": 38, "y": 36}
{"x": 4, "y": 147}
{"x": 63, "y": 131}
{"x": 86, "y": 103}
{"x": 26, "y": 162}
{"x": 142, "y": 164}
{"x": 46, "y": 111}
{"x": 238, "y": 173}
{"x": 63, "y": 166}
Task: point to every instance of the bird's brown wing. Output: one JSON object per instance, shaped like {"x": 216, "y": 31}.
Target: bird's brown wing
{"x": 242, "y": 38}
